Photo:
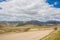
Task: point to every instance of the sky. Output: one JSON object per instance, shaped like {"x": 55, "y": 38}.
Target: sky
{"x": 55, "y": 3}
{"x": 25, "y": 10}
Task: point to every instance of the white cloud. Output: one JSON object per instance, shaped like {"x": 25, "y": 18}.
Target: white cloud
{"x": 16, "y": 10}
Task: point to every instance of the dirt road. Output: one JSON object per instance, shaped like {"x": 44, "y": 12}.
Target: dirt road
{"x": 36, "y": 35}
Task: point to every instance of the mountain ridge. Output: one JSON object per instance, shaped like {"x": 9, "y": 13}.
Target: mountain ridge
{"x": 33, "y": 22}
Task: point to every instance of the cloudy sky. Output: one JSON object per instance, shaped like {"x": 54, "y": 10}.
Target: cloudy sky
{"x": 25, "y": 10}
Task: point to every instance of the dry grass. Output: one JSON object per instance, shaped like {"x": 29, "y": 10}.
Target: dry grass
{"x": 24, "y": 28}
{"x": 14, "y": 29}
{"x": 5, "y": 28}
{"x": 55, "y": 35}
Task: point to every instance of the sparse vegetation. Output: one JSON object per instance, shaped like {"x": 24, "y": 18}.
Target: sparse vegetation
{"x": 53, "y": 36}
{"x": 14, "y": 29}
{"x": 7, "y": 27}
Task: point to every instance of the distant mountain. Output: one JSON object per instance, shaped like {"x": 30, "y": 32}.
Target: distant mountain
{"x": 53, "y": 22}
{"x": 33, "y": 22}
{"x": 11, "y": 22}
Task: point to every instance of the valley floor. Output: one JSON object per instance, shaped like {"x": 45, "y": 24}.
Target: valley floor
{"x": 35, "y": 35}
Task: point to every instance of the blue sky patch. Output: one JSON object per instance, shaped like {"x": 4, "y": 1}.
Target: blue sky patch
{"x": 55, "y": 3}
{"x": 2, "y": 0}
